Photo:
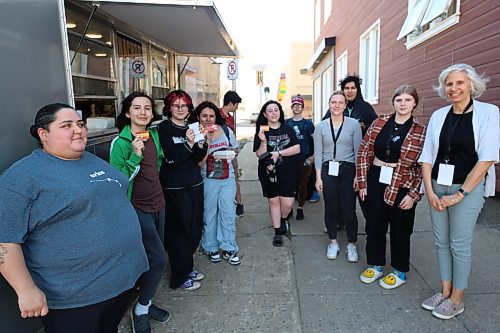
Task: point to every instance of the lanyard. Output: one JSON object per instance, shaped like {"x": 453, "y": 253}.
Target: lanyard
{"x": 450, "y": 131}
{"x": 335, "y": 138}
{"x": 395, "y": 131}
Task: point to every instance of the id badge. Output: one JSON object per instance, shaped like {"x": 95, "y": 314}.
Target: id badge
{"x": 445, "y": 174}
{"x": 385, "y": 175}
{"x": 333, "y": 168}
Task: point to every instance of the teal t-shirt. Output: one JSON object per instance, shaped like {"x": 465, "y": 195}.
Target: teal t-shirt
{"x": 79, "y": 233}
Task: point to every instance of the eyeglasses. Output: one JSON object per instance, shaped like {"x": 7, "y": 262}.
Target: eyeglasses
{"x": 177, "y": 107}
{"x": 297, "y": 106}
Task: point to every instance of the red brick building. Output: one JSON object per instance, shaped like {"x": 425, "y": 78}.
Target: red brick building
{"x": 392, "y": 42}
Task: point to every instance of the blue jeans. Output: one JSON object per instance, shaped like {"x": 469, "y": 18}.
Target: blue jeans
{"x": 453, "y": 229}
{"x": 219, "y": 215}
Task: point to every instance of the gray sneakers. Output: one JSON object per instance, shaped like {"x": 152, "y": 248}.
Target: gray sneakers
{"x": 432, "y": 302}
{"x": 447, "y": 309}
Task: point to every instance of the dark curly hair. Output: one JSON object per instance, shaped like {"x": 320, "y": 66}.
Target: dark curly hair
{"x": 122, "y": 119}
{"x": 207, "y": 104}
{"x": 262, "y": 120}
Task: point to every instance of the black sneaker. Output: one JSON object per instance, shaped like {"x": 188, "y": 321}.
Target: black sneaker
{"x": 300, "y": 214}
{"x": 231, "y": 257}
{"x": 140, "y": 324}
{"x": 278, "y": 240}
{"x": 240, "y": 210}
{"x": 158, "y": 315}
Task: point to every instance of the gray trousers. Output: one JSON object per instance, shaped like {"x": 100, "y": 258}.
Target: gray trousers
{"x": 453, "y": 229}
{"x": 152, "y": 229}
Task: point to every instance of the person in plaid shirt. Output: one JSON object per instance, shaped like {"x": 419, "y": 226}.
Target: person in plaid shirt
{"x": 389, "y": 179}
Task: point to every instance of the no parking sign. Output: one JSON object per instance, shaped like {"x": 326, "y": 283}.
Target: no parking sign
{"x": 137, "y": 68}
{"x": 232, "y": 69}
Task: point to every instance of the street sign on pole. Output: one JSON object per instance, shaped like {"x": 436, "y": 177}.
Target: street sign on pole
{"x": 232, "y": 69}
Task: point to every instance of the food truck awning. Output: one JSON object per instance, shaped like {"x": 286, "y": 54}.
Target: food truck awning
{"x": 187, "y": 27}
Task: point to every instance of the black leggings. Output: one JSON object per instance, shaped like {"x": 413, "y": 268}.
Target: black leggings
{"x": 183, "y": 228}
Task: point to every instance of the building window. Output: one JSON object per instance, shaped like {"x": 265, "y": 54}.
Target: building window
{"x": 327, "y": 10}
{"x": 427, "y": 18}
{"x": 318, "y": 113}
{"x": 161, "y": 62}
{"x": 92, "y": 69}
{"x": 369, "y": 50}
{"x": 317, "y": 19}
{"x": 132, "y": 65}
{"x": 342, "y": 66}
{"x": 327, "y": 87}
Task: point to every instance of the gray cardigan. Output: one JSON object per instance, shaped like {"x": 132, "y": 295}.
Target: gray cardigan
{"x": 347, "y": 143}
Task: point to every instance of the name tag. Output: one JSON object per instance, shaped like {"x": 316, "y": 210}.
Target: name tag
{"x": 333, "y": 168}
{"x": 445, "y": 174}
{"x": 385, "y": 175}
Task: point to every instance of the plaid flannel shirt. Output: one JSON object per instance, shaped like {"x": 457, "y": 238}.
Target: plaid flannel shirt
{"x": 408, "y": 173}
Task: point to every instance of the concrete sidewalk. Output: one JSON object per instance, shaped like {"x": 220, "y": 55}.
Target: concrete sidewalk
{"x": 297, "y": 289}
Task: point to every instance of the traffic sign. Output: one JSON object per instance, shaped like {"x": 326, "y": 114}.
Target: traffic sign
{"x": 137, "y": 69}
{"x": 232, "y": 69}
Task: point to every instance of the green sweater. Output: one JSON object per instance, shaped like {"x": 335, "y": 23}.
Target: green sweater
{"x": 123, "y": 158}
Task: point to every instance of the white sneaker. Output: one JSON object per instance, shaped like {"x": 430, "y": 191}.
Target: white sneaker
{"x": 352, "y": 253}
{"x": 332, "y": 250}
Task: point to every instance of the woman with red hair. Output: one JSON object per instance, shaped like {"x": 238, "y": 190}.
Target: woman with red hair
{"x": 183, "y": 189}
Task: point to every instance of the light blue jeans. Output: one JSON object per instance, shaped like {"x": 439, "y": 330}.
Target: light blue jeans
{"x": 219, "y": 215}
{"x": 453, "y": 229}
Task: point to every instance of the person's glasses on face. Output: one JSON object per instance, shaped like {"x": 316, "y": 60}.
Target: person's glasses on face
{"x": 176, "y": 107}
{"x": 297, "y": 106}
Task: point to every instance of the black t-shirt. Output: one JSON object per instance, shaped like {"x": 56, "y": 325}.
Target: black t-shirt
{"x": 277, "y": 140}
{"x": 463, "y": 154}
{"x": 180, "y": 168}
{"x": 303, "y": 129}
{"x": 397, "y": 134}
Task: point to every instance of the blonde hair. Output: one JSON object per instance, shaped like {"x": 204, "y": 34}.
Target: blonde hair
{"x": 337, "y": 92}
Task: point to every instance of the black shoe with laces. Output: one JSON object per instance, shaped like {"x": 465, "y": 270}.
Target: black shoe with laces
{"x": 300, "y": 214}
{"x": 158, "y": 315}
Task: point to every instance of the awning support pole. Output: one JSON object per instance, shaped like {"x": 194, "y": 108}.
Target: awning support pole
{"x": 94, "y": 9}
{"x": 180, "y": 73}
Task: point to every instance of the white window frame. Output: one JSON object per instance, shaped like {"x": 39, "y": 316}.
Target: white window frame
{"x": 437, "y": 24}
{"x": 327, "y": 10}
{"x": 326, "y": 88}
{"x": 317, "y": 19}
{"x": 369, "y": 43}
{"x": 342, "y": 66}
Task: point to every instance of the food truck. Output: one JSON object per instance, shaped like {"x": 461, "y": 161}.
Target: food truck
{"x": 91, "y": 54}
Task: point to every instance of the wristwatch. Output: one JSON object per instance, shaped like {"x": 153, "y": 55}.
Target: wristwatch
{"x": 464, "y": 192}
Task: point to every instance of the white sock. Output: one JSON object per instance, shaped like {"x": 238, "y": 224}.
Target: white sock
{"x": 140, "y": 309}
